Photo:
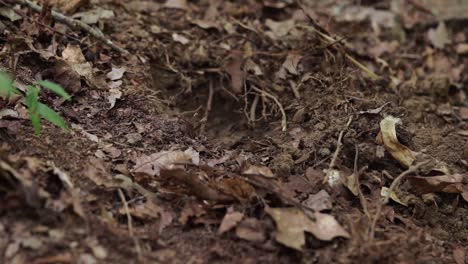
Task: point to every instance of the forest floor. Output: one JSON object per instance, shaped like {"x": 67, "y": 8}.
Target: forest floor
{"x": 238, "y": 132}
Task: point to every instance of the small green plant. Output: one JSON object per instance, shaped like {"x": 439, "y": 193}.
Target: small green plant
{"x": 36, "y": 109}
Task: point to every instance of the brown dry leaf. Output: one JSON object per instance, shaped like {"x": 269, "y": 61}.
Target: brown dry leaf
{"x": 319, "y": 201}
{"x": 235, "y": 71}
{"x": 279, "y": 29}
{"x": 69, "y": 6}
{"x": 116, "y": 73}
{"x": 350, "y": 183}
{"x": 194, "y": 184}
{"x": 257, "y": 170}
{"x": 237, "y": 188}
{"x": 176, "y": 4}
{"x": 439, "y": 37}
{"x": 74, "y": 57}
{"x": 65, "y": 179}
{"x": 251, "y": 229}
{"x": 114, "y": 94}
{"x": 393, "y": 196}
{"x": 462, "y": 48}
{"x": 464, "y": 113}
{"x": 64, "y": 75}
{"x": 389, "y": 138}
{"x": 446, "y": 183}
{"x": 291, "y": 62}
{"x": 94, "y": 16}
{"x": 230, "y": 220}
{"x": 459, "y": 255}
{"x": 191, "y": 209}
{"x": 292, "y": 223}
{"x": 152, "y": 164}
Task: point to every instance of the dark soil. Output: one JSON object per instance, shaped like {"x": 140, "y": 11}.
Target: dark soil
{"x": 210, "y": 78}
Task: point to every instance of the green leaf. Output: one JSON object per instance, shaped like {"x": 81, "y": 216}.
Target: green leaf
{"x": 36, "y": 122}
{"x": 55, "y": 88}
{"x": 32, "y": 96}
{"x": 50, "y": 115}
{"x": 6, "y": 85}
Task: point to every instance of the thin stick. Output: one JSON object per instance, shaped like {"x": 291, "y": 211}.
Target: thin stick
{"x": 357, "y": 173}
{"x": 209, "y": 104}
{"x": 338, "y": 147}
{"x": 389, "y": 191}
{"x": 74, "y": 24}
{"x": 130, "y": 225}
{"x": 283, "y": 113}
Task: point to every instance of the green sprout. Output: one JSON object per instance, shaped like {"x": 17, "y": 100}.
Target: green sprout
{"x": 36, "y": 109}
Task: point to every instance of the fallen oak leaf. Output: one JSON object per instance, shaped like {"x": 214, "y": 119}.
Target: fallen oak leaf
{"x": 292, "y": 223}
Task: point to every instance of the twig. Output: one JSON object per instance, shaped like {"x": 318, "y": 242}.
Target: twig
{"x": 129, "y": 223}
{"x": 253, "y": 108}
{"x": 74, "y": 24}
{"x": 389, "y": 191}
{"x": 209, "y": 104}
{"x": 283, "y": 113}
{"x": 338, "y": 148}
{"x": 358, "y": 184}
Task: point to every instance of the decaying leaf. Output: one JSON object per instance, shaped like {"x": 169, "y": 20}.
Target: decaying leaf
{"x": 350, "y": 183}
{"x": 230, "y": 220}
{"x": 251, "y": 229}
{"x": 292, "y": 223}
{"x": 95, "y": 15}
{"x": 73, "y": 55}
{"x": 291, "y": 62}
{"x": 319, "y": 201}
{"x": 176, "y": 4}
{"x": 116, "y": 73}
{"x": 439, "y": 36}
{"x": 258, "y": 170}
{"x": 389, "y": 138}
{"x": 393, "y": 196}
{"x": 168, "y": 160}
{"x": 451, "y": 183}
{"x": 114, "y": 94}
{"x": 279, "y": 29}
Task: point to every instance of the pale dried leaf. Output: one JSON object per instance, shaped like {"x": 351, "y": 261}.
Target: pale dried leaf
{"x": 153, "y": 164}
{"x": 114, "y": 94}
{"x": 292, "y": 223}
{"x": 389, "y": 138}
{"x": 393, "y": 196}
{"x": 230, "y": 220}
{"x": 176, "y": 4}
{"x": 319, "y": 201}
{"x": 116, "y": 73}
{"x": 439, "y": 37}
{"x": 258, "y": 170}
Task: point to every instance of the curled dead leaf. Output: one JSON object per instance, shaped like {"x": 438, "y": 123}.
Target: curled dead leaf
{"x": 389, "y": 138}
